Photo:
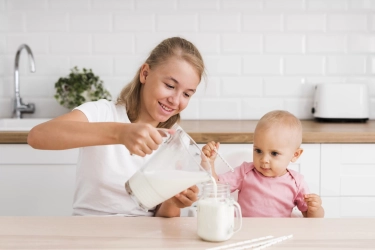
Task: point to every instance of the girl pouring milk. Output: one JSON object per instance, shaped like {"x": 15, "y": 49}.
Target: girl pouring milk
{"x": 116, "y": 138}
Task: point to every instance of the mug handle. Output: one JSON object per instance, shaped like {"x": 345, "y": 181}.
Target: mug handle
{"x": 239, "y": 215}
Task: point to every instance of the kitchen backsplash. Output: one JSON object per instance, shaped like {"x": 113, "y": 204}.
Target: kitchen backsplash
{"x": 260, "y": 54}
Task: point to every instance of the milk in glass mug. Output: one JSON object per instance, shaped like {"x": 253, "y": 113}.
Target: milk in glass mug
{"x": 216, "y": 213}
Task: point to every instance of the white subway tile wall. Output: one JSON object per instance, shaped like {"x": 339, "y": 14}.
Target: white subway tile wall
{"x": 260, "y": 54}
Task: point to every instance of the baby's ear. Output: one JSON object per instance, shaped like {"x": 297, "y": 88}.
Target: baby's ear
{"x": 297, "y": 154}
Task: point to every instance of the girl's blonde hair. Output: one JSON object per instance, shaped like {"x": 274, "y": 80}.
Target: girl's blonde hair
{"x": 178, "y": 47}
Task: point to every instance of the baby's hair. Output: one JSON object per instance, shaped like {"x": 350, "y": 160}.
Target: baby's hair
{"x": 282, "y": 118}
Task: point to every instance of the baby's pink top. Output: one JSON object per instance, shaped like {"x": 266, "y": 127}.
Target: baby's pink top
{"x": 261, "y": 196}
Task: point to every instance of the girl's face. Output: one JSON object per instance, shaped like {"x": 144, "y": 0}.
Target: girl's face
{"x": 274, "y": 149}
{"x": 166, "y": 90}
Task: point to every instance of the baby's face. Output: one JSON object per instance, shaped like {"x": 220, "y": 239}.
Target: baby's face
{"x": 274, "y": 148}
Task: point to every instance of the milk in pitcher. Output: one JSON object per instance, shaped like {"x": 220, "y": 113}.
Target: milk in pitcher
{"x": 153, "y": 187}
{"x": 177, "y": 165}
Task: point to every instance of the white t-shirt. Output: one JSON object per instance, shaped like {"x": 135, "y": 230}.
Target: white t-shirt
{"x": 103, "y": 170}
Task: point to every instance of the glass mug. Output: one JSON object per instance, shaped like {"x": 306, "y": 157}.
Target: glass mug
{"x": 216, "y": 212}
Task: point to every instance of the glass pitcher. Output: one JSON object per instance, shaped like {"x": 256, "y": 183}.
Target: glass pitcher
{"x": 177, "y": 165}
{"x": 216, "y": 213}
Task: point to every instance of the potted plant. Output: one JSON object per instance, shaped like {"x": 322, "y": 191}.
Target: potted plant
{"x": 80, "y": 87}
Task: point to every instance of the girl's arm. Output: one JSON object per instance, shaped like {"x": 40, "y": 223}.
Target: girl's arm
{"x": 72, "y": 130}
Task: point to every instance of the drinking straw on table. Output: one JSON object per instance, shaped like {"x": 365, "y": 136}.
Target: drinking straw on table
{"x": 241, "y": 243}
{"x": 229, "y": 166}
{"x": 277, "y": 240}
{"x": 265, "y": 242}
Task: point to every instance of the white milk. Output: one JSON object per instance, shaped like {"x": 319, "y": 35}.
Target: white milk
{"x": 214, "y": 184}
{"x": 152, "y": 188}
{"x": 215, "y": 220}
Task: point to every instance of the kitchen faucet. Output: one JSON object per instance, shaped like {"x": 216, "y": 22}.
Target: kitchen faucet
{"x": 19, "y": 106}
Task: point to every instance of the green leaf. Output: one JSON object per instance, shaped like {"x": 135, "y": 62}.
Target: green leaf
{"x": 80, "y": 87}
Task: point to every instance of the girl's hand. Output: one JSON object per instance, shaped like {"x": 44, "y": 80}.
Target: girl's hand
{"x": 141, "y": 139}
{"x": 171, "y": 207}
{"x": 186, "y": 198}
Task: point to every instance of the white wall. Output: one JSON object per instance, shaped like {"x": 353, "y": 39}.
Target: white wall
{"x": 260, "y": 54}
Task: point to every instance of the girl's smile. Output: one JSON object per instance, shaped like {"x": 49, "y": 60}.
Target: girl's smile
{"x": 165, "y": 108}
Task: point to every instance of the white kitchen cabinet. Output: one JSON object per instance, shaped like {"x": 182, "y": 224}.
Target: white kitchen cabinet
{"x": 348, "y": 179}
{"x": 41, "y": 182}
{"x": 36, "y": 182}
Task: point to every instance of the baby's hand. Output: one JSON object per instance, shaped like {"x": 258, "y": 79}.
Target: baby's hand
{"x": 314, "y": 203}
{"x": 210, "y": 153}
{"x": 209, "y": 150}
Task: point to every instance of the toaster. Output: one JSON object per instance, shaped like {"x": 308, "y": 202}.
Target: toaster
{"x": 345, "y": 102}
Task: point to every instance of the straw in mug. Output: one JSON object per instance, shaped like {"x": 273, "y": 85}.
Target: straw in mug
{"x": 226, "y": 163}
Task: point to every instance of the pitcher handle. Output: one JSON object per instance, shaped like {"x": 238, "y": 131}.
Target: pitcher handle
{"x": 164, "y": 133}
{"x": 239, "y": 216}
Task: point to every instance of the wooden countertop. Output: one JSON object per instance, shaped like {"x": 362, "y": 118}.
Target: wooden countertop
{"x": 228, "y": 131}
{"x": 178, "y": 233}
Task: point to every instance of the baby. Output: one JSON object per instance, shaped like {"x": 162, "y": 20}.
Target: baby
{"x": 267, "y": 188}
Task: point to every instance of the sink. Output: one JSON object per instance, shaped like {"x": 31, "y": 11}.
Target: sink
{"x": 25, "y": 124}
